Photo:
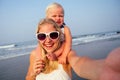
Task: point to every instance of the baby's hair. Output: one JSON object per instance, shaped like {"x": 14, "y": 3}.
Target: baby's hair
{"x": 48, "y": 21}
{"x": 53, "y": 5}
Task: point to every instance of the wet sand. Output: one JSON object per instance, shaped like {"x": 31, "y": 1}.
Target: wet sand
{"x": 14, "y": 68}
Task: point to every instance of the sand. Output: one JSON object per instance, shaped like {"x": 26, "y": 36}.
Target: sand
{"x": 14, "y": 68}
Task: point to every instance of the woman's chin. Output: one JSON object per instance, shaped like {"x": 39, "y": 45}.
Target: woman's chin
{"x": 49, "y": 51}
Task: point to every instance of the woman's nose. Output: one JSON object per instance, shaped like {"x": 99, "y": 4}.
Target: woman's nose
{"x": 48, "y": 39}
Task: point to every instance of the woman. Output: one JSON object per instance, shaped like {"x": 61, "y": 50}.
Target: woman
{"x": 41, "y": 68}
{"x": 49, "y": 39}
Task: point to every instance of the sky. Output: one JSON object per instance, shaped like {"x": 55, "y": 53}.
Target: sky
{"x": 19, "y": 18}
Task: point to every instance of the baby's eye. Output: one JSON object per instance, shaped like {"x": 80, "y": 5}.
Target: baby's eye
{"x": 54, "y": 16}
{"x": 61, "y": 16}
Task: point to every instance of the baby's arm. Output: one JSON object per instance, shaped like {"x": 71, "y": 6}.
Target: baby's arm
{"x": 67, "y": 45}
{"x": 60, "y": 50}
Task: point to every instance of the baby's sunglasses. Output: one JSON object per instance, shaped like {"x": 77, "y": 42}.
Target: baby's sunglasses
{"x": 52, "y": 35}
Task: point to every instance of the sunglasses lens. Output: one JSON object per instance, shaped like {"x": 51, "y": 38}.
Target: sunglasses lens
{"x": 41, "y": 36}
{"x": 54, "y": 35}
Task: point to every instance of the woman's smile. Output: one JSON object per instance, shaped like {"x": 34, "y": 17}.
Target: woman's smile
{"x": 48, "y": 45}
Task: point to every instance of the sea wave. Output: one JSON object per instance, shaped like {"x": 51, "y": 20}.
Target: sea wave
{"x": 7, "y": 46}
{"x": 19, "y": 50}
{"x": 12, "y": 56}
{"x": 94, "y": 37}
{"x": 23, "y": 47}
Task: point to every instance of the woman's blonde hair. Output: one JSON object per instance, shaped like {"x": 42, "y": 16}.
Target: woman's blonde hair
{"x": 50, "y": 65}
{"x": 53, "y": 5}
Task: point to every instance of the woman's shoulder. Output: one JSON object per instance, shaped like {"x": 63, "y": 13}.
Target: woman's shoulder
{"x": 35, "y": 52}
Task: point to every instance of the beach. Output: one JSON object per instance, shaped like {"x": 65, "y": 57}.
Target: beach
{"x": 16, "y": 68}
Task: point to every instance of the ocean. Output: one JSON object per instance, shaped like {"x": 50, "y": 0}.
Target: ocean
{"x": 24, "y": 48}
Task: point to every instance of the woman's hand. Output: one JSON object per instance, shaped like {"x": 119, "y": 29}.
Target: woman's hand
{"x": 111, "y": 69}
{"x": 38, "y": 66}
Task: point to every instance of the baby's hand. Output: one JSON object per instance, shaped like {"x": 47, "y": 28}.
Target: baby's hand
{"x": 62, "y": 59}
{"x": 51, "y": 56}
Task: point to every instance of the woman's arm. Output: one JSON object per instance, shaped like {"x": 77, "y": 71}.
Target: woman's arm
{"x": 85, "y": 67}
{"x": 111, "y": 70}
{"x": 30, "y": 74}
{"x": 35, "y": 67}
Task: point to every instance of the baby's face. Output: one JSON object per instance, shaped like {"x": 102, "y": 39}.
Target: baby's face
{"x": 57, "y": 15}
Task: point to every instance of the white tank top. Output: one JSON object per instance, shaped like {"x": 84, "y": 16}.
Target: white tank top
{"x": 58, "y": 74}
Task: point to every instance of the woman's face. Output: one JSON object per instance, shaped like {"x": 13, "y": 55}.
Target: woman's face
{"x": 48, "y": 44}
{"x": 57, "y": 15}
